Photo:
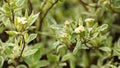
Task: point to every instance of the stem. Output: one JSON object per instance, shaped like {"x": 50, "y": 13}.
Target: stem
{"x": 12, "y": 11}
{"x": 30, "y": 7}
{"x": 13, "y": 17}
{"x": 43, "y": 16}
{"x": 41, "y": 12}
{"x": 41, "y": 20}
{"x": 23, "y": 41}
{"x": 84, "y": 4}
{"x": 42, "y": 7}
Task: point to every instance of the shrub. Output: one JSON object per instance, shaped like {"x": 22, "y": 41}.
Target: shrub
{"x": 59, "y": 33}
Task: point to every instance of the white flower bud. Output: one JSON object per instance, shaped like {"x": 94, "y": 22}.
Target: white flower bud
{"x": 79, "y": 29}
{"x": 89, "y": 20}
{"x": 64, "y": 35}
{"x": 67, "y": 22}
{"x": 106, "y": 2}
{"x": 22, "y": 20}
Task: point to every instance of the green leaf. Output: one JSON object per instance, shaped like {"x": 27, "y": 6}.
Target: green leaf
{"x": 40, "y": 52}
{"x": 73, "y": 36}
{"x": 103, "y": 27}
{"x": 66, "y": 57}
{"x": 26, "y": 14}
{"x": 50, "y": 19}
{"x": 2, "y": 10}
{"x": 12, "y": 33}
{"x": 26, "y": 37}
{"x": 95, "y": 35}
{"x": 29, "y": 52}
{"x": 80, "y": 21}
{"x": 37, "y": 55}
{"x": 52, "y": 57}
{"x": 77, "y": 48}
{"x": 1, "y": 61}
{"x": 55, "y": 44}
{"x": 18, "y": 26}
{"x": 72, "y": 64}
{"x": 1, "y": 28}
{"x": 19, "y": 3}
{"x": 42, "y": 63}
{"x": 32, "y": 19}
{"x": 62, "y": 64}
{"x": 32, "y": 37}
{"x": 55, "y": 27}
{"x": 106, "y": 49}
{"x": 21, "y": 66}
{"x": 28, "y": 60}
{"x": 62, "y": 49}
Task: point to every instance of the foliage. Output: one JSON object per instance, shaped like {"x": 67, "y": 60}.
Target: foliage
{"x": 59, "y": 33}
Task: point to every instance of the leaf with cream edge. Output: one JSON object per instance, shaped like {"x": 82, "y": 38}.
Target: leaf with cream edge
{"x": 12, "y": 33}
{"x": 31, "y": 19}
{"x": 32, "y": 37}
{"x": 29, "y": 52}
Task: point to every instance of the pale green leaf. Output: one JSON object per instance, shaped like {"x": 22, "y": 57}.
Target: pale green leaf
{"x": 52, "y": 57}
{"x": 103, "y": 27}
{"x": 106, "y": 49}
{"x": 32, "y": 37}
{"x": 66, "y": 57}
{"x": 42, "y": 63}
{"x": 19, "y": 3}
{"x": 1, "y": 61}
{"x": 21, "y": 66}
{"x": 29, "y": 52}
{"x": 32, "y": 19}
{"x": 12, "y": 33}
{"x": 77, "y": 48}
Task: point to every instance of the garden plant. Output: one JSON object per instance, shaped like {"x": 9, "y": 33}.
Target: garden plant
{"x": 59, "y": 33}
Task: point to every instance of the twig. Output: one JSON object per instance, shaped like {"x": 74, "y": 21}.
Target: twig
{"x": 41, "y": 20}
{"x": 30, "y": 7}
{"x": 41, "y": 12}
{"x": 42, "y": 7}
{"x": 93, "y": 1}
{"x": 13, "y": 17}
{"x": 84, "y": 5}
{"x": 12, "y": 11}
{"x": 23, "y": 41}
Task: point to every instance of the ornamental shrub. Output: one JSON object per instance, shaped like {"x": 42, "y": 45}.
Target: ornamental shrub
{"x": 59, "y": 33}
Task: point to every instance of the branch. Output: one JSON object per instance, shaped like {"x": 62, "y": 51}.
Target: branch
{"x": 84, "y": 4}
{"x": 41, "y": 12}
{"x": 41, "y": 20}
{"x": 23, "y": 41}
{"x": 12, "y": 11}
{"x": 42, "y": 7}
{"x": 13, "y": 17}
{"x": 30, "y": 7}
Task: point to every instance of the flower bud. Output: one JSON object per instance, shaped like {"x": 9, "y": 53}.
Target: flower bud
{"x": 22, "y": 20}
{"x": 106, "y": 2}
{"x": 67, "y": 23}
{"x": 89, "y": 21}
{"x": 79, "y": 29}
{"x": 64, "y": 35}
